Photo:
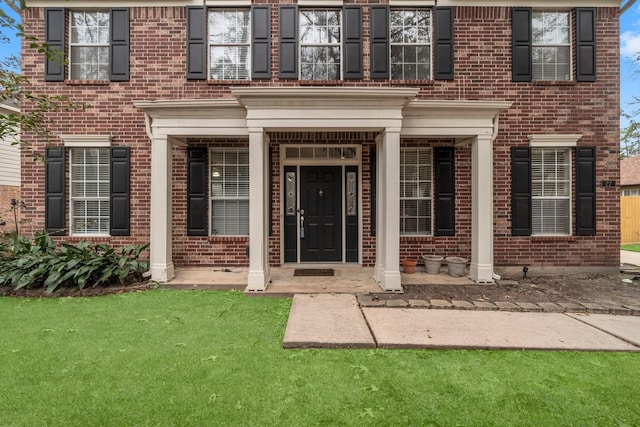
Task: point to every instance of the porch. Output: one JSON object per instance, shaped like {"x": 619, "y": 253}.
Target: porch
{"x": 346, "y": 279}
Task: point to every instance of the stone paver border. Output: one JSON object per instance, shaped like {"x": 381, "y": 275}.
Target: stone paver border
{"x": 365, "y": 300}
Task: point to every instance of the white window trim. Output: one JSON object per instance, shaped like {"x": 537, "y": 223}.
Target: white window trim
{"x": 569, "y": 197}
{"x": 430, "y": 44}
{"x": 339, "y": 45}
{"x": 71, "y": 198}
{"x": 569, "y": 44}
{"x": 430, "y": 197}
{"x": 212, "y": 198}
{"x": 554, "y": 140}
{"x": 86, "y": 141}
{"x": 229, "y": 7}
{"x": 71, "y": 45}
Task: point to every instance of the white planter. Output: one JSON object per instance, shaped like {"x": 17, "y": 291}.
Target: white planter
{"x": 432, "y": 263}
{"x": 456, "y": 265}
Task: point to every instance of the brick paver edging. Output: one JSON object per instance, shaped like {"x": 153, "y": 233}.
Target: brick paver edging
{"x": 547, "y": 307}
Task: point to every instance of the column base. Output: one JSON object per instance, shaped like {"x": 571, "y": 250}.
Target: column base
{"x": 257, "y": 281}
{"x": 481, "y": 273}
{"x": 390, "y": 281}
{"x": 162, "y": 272}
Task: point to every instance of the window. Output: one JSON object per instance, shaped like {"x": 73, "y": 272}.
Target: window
{"x": 320, "y": 44}
{"x": 89, "y": 45}
{"x": 229, "y": 44}
{"x": 229, "y": 191}
{"x": 410, "y": 40}
{"x": 631, "y": 192}
{"x": 550, "y": 191}
{"x": 551, "y": 45}
{"x": 416, "y": 191}
{"x": 90, "y": 192}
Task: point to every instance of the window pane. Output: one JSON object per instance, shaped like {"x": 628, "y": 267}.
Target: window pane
{"x": 415, "y": 191}
{"x": 90, "y": 190}
{"x": 410, "y": 35}
{"x": 551, "y": 191}
{"x": 229, "y": 44}
{"x": 551, "y": 53}
{"x": 229, "y": 191}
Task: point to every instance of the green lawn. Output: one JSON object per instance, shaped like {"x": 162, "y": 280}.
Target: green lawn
{"x": 633, "y": 247}
{"x": 188, "y": 358}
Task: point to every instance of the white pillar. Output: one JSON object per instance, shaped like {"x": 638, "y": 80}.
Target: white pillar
{"x": 161, "y": 257}
{"x": 379, "y": 267}
{"x": 258, "y": 277}
{"x": 481, "y": 269}
{"x": 389, "y": 229}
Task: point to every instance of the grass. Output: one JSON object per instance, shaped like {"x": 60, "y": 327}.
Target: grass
{"x": 632, "y": 247}
{"x": 167, "y": 358}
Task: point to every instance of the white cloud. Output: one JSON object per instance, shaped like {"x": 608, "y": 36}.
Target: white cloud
{"x": 630, "y": 44}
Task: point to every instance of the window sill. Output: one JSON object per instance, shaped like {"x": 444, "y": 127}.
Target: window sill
{"x": 554, "y": 83}
{"x": 413, "y": 82}
{"x": 213, "y": 239}
{"x": 87, "y": 82}
{"x": 553, "y": 238}
{"x": 321, "y": 82}
{"x": 229, "y": 82}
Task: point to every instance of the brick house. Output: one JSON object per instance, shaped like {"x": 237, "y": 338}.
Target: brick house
{"x": 258, "y": 133}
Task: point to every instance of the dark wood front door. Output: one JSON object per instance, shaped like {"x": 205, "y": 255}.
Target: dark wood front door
{"x": 321, "y": 201}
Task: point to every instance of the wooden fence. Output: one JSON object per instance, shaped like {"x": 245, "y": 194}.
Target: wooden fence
{"x": 630, "y": 219}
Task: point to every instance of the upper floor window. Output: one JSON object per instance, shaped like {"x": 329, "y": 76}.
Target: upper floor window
{"x": 410, "y": 42}
{"x": 89, "y": 45}
{"x": 416, "y": 188}
{"x": 551, "y": 45}
{"x": 320, "y": 42}
{"x": 229, "y": 44}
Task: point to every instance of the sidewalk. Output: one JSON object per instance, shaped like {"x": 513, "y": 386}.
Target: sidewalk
{"x": 337, "y": 321}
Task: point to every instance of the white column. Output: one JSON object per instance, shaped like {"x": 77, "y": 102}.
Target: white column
{"x": 390, "y": 225}
{"x": 161, "y": 256}
{"x": 258, "y": 277}
{"x": 379, "y": 267}
{"x": 481, "y": 268}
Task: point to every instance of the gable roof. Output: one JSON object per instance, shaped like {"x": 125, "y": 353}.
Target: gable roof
{"x": 630, "y": 171}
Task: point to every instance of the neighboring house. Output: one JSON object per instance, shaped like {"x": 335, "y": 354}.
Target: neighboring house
{"x": 232, "y": 133}
{"x": 630, "y": 202}
{"x": 9, "y": 174}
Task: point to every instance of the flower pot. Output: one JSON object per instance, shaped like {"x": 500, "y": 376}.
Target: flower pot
{"x": 432, "y": 263}
{"x": 456, "y": 266}
{"x": 409, "y": 265}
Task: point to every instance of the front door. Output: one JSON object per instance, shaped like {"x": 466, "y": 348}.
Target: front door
{"x": 321, "y": 213}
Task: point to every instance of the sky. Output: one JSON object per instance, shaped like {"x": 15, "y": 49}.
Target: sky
{"x": 629, "y": 50}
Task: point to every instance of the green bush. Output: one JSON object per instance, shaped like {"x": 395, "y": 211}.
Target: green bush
{"x": 42, "y": 263}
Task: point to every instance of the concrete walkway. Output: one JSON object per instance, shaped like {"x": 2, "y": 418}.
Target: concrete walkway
{"x": 337, "y": 321}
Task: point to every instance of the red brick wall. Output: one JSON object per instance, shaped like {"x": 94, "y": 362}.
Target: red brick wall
{"x": 7, "y": 223}
{"x": 482, "y": 72}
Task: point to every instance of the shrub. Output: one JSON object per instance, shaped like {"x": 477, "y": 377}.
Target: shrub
{"x": 41, "y": 263}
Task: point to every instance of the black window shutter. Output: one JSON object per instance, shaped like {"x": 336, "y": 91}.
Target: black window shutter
{"x": 119, "y": 45}
{"x": 196, "y": 43}
{"x": 120, "y": 206}
{"x": 445, "y": 207}
{"x": 197, "y": 191}
{"x": 586, "y": 44}
{"x": 520, "y": 191}
{"x": 288, "y": 22}
{"x": 54, "y": 205}
{"x": 372, "y": 174}
{"x": 521, "y": 44}
{"x": 379, "y": 49}
{"x": 261, "y": 42}
{"x": 54, "y": 37}
{"x": 586, "y": 191}
{"x": 352, "y": 55}
{"x": 444, "y": 45}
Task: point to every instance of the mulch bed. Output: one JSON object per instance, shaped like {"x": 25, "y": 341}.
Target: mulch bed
{"x": 74, "y": 292}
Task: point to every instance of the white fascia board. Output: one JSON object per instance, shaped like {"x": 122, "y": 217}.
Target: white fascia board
{"x": 97, "y": 4}
{"x": 531, "y": 3}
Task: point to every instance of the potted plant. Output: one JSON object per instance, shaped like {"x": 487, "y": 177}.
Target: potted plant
{"x": 409, "y": 265}
{"x": 432, "y": 263}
